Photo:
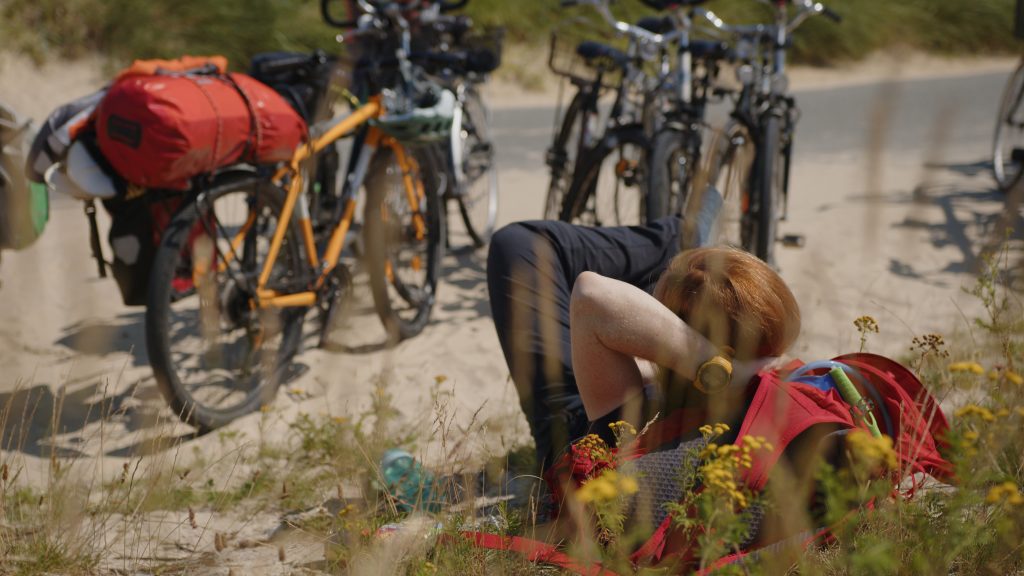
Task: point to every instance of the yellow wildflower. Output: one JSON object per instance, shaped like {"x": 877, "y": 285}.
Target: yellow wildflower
{"x": 623, "y": 431}
{"x": 1003, "y": 413}
{"x": 971, "y": 410}
{"x": 866, "y": 324}
{"x": 870, "y": 451}
{"x": 622, "y": 426}
{"x": 972, "y": 367}
{"x": 606, "y": 487}
{"x": 629, "y": 485}
{"x": 1015, "y": 378}
{"x": 1006, "y": 492}
{"x": 709, "y": 431}
{"x": 594, "y": 446}
{"x": 993, "y": 375}
{"x": 971, "y": 436}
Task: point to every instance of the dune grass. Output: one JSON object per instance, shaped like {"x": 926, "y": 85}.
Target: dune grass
{"x": 322, "y": 480}
{"x": 125, "y": 29}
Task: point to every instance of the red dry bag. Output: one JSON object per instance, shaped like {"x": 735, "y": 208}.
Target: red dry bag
{"x": 161, "y": 130}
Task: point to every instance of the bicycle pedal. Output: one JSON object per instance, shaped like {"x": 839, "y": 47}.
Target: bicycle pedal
{"x": 793, "y": 240}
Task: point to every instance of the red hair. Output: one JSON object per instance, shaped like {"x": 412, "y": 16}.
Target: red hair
{"x": 734, "y": 299}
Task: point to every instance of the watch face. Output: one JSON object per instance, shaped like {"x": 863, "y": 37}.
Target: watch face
{"x": 714, "y": 377}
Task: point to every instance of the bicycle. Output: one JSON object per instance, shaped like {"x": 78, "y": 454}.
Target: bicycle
{"x": 632, "y": 118}
{"x": 1008, "y": 142}
{"x": 461, "y": 61}
{"x": 239, "y": 266}
{"x": 745, "y": 187}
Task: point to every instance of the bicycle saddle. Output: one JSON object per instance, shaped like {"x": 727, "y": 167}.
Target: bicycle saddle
{"x": 666, "y": 4}
{"x": 713, "y": 49}
{"x": 656, "y": 25}
{"x": 590, "y": 50}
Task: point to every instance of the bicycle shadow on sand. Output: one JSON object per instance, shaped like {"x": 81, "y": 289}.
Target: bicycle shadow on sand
{"x": 974, "y": 217}
{"x": 107, "y": 402}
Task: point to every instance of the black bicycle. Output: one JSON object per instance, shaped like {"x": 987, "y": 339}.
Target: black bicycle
{"x": 744, "y": 186}
{"x": 1008, "y": 144}
{"x": 599, "y": 172}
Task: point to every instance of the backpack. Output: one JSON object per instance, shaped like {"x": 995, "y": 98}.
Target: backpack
{"x": 785, "y": 403}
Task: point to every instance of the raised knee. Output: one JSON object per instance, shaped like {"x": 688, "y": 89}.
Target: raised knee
{"x": 510, "y": 243}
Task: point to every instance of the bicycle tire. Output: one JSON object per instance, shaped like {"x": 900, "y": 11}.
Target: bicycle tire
{"x": 479, "y": 171}
{"x": 563, "y": 155}
{"x": 670, "y": 173}
{"x": 1010, "y": 105}
{"x": 588, "y": 202}
{"x": 766, "y": 192}
{"x": 226, "y": 303}
{"x": 389, "y": 231}
{"x": 726, "y": 171}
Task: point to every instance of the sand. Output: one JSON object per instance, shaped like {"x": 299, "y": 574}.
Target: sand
{"x": 66, "y": 341}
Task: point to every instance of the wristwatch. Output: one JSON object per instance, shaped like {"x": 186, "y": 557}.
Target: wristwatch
{"x": 714, "y": 375}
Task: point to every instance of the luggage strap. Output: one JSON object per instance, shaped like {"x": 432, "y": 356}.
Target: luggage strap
{"x": 536, "y": 551}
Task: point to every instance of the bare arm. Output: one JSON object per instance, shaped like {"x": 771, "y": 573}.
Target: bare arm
{"x": 613, "y": 323}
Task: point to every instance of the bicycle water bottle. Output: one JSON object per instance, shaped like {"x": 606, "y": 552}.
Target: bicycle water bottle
{"x": 707, "y": 218}
{"x": 408, "y": 482}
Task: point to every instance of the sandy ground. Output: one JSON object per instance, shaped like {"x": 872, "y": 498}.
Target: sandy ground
{"x": 72, "y": 356}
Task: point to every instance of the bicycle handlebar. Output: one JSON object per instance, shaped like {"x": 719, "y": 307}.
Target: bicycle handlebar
{"x": 768, "y": 31}
{"x": 634, "y": 32}
{"x": 367, "y": 7}
{"x": 831, "y": 14}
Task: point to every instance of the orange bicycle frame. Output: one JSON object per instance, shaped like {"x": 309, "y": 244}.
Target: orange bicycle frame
{"x": 375, "y": 138}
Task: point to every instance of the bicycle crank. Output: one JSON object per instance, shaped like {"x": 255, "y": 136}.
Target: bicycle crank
{"x": 334, "y": 303}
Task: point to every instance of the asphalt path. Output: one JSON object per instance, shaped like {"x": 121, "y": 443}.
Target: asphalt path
{"x": 833, "y": 121}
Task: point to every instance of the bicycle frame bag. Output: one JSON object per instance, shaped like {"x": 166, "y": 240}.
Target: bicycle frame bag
{"x": 162, "y": 130}
{"x": 302, "y": 79}
{"x": 24, "y": 205}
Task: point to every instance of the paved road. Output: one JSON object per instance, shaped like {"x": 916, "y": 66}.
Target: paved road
{"x": 834, "y": 121}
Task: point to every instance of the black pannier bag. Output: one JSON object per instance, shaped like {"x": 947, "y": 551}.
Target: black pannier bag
{"x": 136, "y": 226}
{"x": 303, "y": 79}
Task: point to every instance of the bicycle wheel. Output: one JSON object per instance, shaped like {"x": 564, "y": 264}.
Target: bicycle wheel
{"x": 216, "y": 358}
{"x": 718, "y": 216}
{"x": 478, "y": 199}
{"x": 610, "y": 189}
{"x": 564, "y": 153}
{"x": 767, "y": 191}
{"x": 1008, "y": 144}
{"x": 404, "y": 243}
{"x": 672, "y": 167}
